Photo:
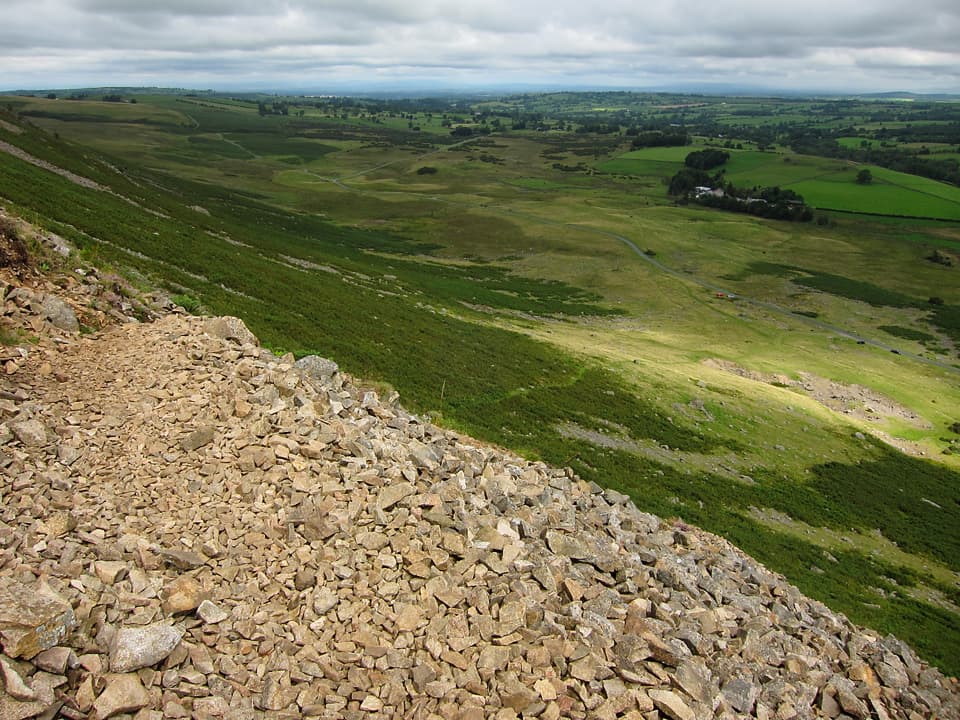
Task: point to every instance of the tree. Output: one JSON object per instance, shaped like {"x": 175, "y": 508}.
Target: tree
{"x": 706, "y": 159}
{"x": 864, "y": 177}
{"x": 687, "y": 180}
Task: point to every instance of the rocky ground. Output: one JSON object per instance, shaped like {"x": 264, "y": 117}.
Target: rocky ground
{"x": 853, "y": 400}
{"x": 191, "y": 527}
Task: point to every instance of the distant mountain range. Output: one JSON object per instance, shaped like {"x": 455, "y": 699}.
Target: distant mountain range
{"x": 415, "y": 89}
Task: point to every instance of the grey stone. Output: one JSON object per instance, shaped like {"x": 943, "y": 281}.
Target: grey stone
{"x": 67, "y": 454}
{"x": 893, "y": 676}
{"x": 211, "y": 614}
{"x": 138, "y": 647}
{"x": 740, "y": 694}
{"x": 31, "y": 432}
{"x": 394, "y": 493}
{"x": 317, "y": 367}
{"x": 422, "y": 455}
{"x": 325, "y": 601}
{"x": 359, "y": 560}
{"x": 13, "y": 683}
{"x": 182, "y": 559}
{"x": 567, "y": 546}
{"x": 694, "y": 677}
{"x": 851, "y": 704}
{"x": 43, "y": 688}
{"x": 59, "y": 313}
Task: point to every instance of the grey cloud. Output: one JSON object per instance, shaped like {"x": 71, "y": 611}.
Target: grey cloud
{"x": 608, "y": 41}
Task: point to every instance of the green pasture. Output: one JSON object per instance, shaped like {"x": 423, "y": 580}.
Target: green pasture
{"x": 537, "y": 184}
{"x": 660, "y": 154}
{"x": 879, "y": 199}
{"x": 97, "y": 111}
{"x": 285, "y": 148}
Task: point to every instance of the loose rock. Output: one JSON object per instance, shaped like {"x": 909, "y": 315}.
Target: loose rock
{"x": 123, "y": 694}
{"x": 138, "y": 647}
{"x": 328, "y": 554}
{"x": 32, "y": 618}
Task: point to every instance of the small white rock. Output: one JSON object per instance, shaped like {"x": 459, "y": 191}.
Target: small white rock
{"x": 210, "y": 613}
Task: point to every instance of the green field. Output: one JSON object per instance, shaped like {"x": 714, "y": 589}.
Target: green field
{"x": 890, "y": 193}
{"x": 499, "y": 294}
{"x": 823, "y": 183}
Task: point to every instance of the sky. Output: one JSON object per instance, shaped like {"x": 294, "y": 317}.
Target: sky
{"x": 335, "y": 45}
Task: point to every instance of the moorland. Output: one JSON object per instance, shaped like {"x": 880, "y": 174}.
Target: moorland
{"x": 518, "y": 269}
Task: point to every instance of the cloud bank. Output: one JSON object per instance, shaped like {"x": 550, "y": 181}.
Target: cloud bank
{"x": 841, "y": 45}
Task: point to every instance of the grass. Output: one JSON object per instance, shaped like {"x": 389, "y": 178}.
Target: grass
{"x": 497, "y": 297}
{"x": 189, "y": 303}
{"x": 288, "y": 149}
{"x": 891, "y": 193}
{"x": 908, "y": 333}
{"x": 945, "y": 317}
{"x": 10, "y": 336}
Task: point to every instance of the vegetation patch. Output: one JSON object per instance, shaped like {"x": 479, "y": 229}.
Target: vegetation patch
{"x": 943, "y": 316}
{"x": 908, "y": 333}
{"x": 13, "y": 251}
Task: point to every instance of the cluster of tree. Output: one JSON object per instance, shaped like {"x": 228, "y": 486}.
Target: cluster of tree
{"x": 947, "y": 132}
{"x": 659, "y": 138}
{"x": 598, "y": 128}
{"x": 706, "y": 159}
{"x": 688, "y": 179}
{"x": 769, "y": 202}
{"x": 579, "y": 167}
{"x": 278, "y": 108}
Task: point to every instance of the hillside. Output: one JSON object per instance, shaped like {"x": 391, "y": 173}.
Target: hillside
{"x": 195, "y": 527}
{"x": 788, "y": 386}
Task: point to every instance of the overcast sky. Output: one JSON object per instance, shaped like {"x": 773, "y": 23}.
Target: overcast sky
{"x": 841, "y": 45}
